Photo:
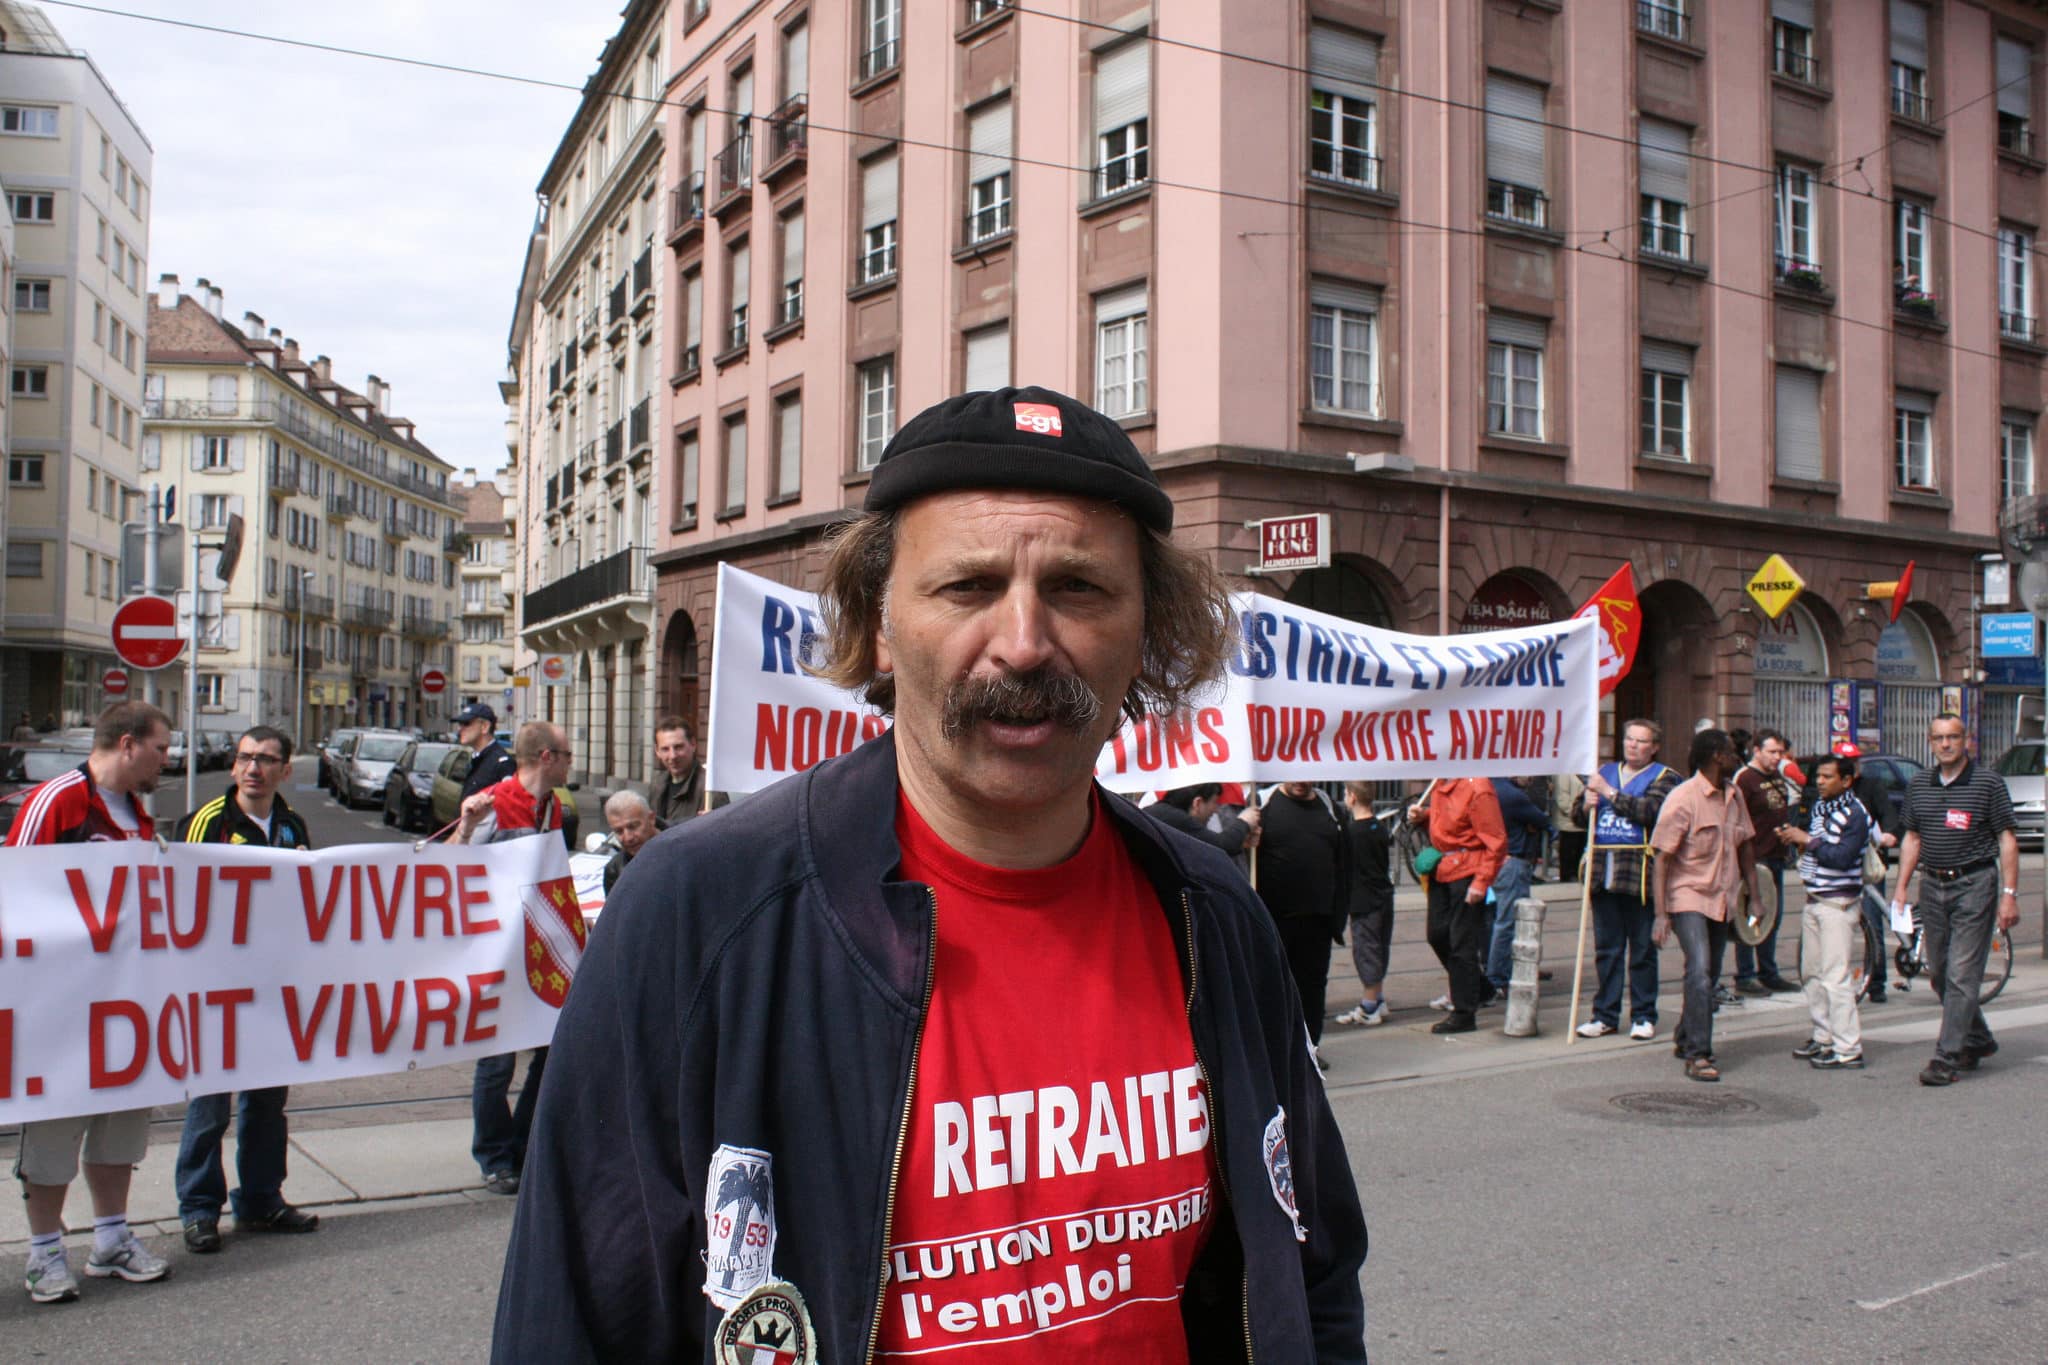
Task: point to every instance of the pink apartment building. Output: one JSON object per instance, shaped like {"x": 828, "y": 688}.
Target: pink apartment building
{"x": 1514, "y": 290}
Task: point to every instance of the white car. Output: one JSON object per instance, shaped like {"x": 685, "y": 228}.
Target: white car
{"x": 2022, "y": 770}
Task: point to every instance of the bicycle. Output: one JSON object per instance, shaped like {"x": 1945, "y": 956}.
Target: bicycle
{"x": 1907, "y": 961}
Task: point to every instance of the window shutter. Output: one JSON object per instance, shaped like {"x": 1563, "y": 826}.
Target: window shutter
{"x": 1666, "y": 358}
{"x": 235, "y": 453}
{"x": 988, "y": 140}
{"x": 1119, "y": 304}
{"x": 693, "y": 310}
{"x": 198, "y": 451}
{"x": 231, "y": 636}
{"x": 743, "y": 96}
{"x": 878, "y": 192}
{"x": 792, "y": 248}
{"x": 2015, "y": 78}
{"x": 152, "y": 451}
{"x": 1664, "y": 161}
{"x": 1345, "y": 294}
{"x": 1909, "y": 33}
{"x": 988, "y": 359}
{"x": 1798, "y": 12}
{"x": 698, "y": 118}
{"x": 1530, "y": 333}
{"x": 1514, "y": 132}
{"x": 790, "y": 457}
{"x": 1798, "y": 424}
{"x": 796, "y": 61}
{"x": 742, "y": 263}
{"x": 1343, "y": 62}
{"x": 1121, "y": 86}
{"x": 1912, "y": 400}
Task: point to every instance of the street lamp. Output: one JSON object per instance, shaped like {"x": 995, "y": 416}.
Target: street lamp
{"x": 305, "y": 577}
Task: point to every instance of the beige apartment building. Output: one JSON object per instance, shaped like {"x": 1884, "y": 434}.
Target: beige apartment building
{"x": 76, "y": 171}
{"x": 1514, "y": 291}
{"x": 587, "y": 370}
{"x": 483, "y": 654}
{"x": 352, "y": 533}
{"x": 6, "y": 397}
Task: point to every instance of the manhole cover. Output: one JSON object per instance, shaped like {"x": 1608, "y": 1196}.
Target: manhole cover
{"x": 1694, "y": 1103}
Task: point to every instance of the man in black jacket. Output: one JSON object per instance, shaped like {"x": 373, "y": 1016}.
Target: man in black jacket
{"x": 1189, "y": 810}
{"x": 477, "y": 727}
{"x": 827, "y": 1040}
{"x": 1305, "y": 881}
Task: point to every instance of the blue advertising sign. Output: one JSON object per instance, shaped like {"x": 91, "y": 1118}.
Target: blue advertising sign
{"x": 2009, "y": 635}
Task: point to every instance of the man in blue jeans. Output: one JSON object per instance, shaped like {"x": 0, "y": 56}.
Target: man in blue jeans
{"x": 1527, "y": 823}
{"x": 251, "y": 812}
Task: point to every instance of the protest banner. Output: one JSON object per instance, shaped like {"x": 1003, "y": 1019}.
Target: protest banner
{"x": 1306, "y": 697}
{"x": 132, "y": 975}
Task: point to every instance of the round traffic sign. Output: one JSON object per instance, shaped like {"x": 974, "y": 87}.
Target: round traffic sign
{"x": 433, "y": 682}
{"x": 554, "y": 667}
{"x": 114, "y": 682}
{"x": 146, "y": 632}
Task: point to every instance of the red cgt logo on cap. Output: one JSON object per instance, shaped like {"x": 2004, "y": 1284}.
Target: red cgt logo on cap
{"x": 1042, "y": 418}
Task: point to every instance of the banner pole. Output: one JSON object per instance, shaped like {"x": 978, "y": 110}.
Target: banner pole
{"x": 1579, "y": 953}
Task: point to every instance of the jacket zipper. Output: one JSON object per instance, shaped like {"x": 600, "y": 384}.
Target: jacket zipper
{"x": 1187, "y": 921}
{"x": 931, "y": 967}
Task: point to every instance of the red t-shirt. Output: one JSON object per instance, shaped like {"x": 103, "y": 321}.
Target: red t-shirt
{"x": 1055, "y": 1185}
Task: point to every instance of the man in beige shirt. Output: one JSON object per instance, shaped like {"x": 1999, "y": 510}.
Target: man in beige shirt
{"x": 1702, "y": 841}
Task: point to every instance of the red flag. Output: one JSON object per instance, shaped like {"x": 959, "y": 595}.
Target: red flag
{"x": 1620, "y": 615}
{"x": 1903, "y": 591}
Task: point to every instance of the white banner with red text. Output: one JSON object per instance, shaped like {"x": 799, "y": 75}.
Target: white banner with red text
{"x": 1306, "y": 697}
{"x": 132, "y": 975}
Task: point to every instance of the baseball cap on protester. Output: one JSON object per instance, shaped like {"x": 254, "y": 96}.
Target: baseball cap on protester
{"x": 476, "y": 710}
{"x": 1846, "y": 748}
{"x": 1029, "y": 438}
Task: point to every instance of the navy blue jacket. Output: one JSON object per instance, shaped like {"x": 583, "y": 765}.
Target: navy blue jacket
{"x": 759, "y": 981}
{"x": 1526, "y": 821}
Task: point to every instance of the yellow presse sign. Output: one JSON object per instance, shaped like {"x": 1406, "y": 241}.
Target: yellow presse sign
{"x": 1775, "y": 585}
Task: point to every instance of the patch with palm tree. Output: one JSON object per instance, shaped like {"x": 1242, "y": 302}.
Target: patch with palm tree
{"x": 739, "y": 1224}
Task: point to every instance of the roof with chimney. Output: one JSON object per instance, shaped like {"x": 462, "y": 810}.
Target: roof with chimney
{"x": 485, "y": 508}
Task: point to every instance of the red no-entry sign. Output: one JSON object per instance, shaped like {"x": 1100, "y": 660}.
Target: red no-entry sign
{"x": 114, "y": 682}
{"x": 433, "y": 682}
{"x": 146, "y": 632}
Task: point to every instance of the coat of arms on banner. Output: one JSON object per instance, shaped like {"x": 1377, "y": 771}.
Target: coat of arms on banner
{"x": 739, "y": 1223}
{"x": 554, "y": 938}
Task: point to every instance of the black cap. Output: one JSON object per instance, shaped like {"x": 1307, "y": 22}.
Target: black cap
{"x": 1018, "y": 438}
{"x": 476, "y": 710}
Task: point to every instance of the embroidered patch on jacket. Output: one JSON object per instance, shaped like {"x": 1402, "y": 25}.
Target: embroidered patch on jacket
{"x": 770, "y": 1326}
{"x": 1041, "y": 418}
{"x": 1280, "y": 1171}
{"x": 739, "y": 1225}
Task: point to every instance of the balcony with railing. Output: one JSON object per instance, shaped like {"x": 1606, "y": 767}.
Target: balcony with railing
{"x": 640, "y": 426}
{"x": 2016, "y": 135}
{"x": 394, "y": 529}
{"x": 367, "y": 615}
{"x": 1507, "y": 202}
{"x": 554, "y": 377}
{"x": 313, "y": 603}
{"x": 570, "y": 351}
{"x": 615, "y": 304}
{"x": 685, "y": 207}
{"x": 1664, "y": 241}
{"x": 692, "y": 362}
{"x": 421, "y": 626}
{"x": 550, "y": 497}
{"x": 617, "y": 578}
{"x": 586, "y": 455}
{"x": 643, "y": 282}
{"x": 2021, "y": 327}
{"x": 590, "y": 325}
{"x": 1912, "y": 299}
{"x": 1798, "y": 273}
{"x": 454, "y": 542}
{"x": 880, "y": 58}
{"x": 1909, "y": 94}
{"x": 1664, "y": 19}
{"x": 614, "y": 443}
{"x": 735, "y": 170}
{"x": 978, "y": 10}
{"x": 337, "y": 507}
{"x": 789, "y": 130}
{"x": 1333, "y": 164}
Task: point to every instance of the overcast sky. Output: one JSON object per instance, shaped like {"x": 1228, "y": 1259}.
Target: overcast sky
{"x": 378, "y": 213}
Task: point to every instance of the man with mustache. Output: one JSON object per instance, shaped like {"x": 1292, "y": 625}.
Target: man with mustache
{"x": 938, "y": 1045}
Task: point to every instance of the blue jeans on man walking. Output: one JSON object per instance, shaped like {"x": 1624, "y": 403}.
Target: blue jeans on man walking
{"x": 498, "y": 1138}
{"x": 1621, "y": 939}
{"x": 260, "y": 1140}
{"x": 1510, "y": 884}
{"x": 1700, "y": 939}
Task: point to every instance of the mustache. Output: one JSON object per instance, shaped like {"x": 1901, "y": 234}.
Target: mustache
{"x": 1025, "y": 698}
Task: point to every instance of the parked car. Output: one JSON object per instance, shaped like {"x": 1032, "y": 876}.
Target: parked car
{"x": 219, "y": 747}
{"x": 1893, "y": 770}
{"x": 2022, "y": 770}
{"x": 409, "y": 790}
{"x": 361, "y": 775}
{"x": 331, "y": 752}
{"x": 24, "y": 766}
{"x": 175, "y": 761}
{"x": 446, "y": 803}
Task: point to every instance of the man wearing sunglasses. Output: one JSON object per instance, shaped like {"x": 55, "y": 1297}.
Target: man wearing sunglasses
{"x": 250, "y": 812}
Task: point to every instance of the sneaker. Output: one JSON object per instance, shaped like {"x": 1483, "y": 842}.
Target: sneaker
{"x": 49, "y": 1280}
{"x": 1724, "y": 996}
{"x": 1938, "y": 1072}
{"x": 1837, "y": 1061}
{"x": 1442, "y": 1002}
{"x": 1810, "y": 1049}
{"x": 1751, "y": 986}
{"x": 1596, "y": 1028}
{"x": 502, "y": 1182}
{"x": 1642, "y": 1030}
{"x": 1973, "y": 1055}
{"x": 1362, "y": 1014}
{"x": 1376, "y": 1016}
{"x": 130, "y": 1261}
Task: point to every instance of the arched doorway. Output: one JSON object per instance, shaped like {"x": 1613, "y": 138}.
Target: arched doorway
{"x": 679, "y": 668}
{"x": 1672, "y": 681}
{"x": 1908, "y": 685}
{"x": 1344, "y": 589}
{"x": 1510, "y": 600}
{"x": 1790, "y": 668}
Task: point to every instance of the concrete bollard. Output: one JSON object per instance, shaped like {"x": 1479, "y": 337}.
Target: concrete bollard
{"x": 1523, "y": 981}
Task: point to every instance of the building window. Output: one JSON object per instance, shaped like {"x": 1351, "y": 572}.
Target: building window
{"x": 878, "y": 219}
{"x": 739, "y": 271}
{"x": 24, "y": 559}
{"x": 1514, "y": 376}
{"x": 789, "y": 445}
{"x": 686, "y": 477}
{"x": 213, "y": 511}
{"x": 988, "y": 172}
{"x": 988, "y": 359}
{"x": 1912, "y": 280}
{"x": 215, "y": 451}
{"x": 1792, "y": 40}
{"x": 1798, "y": 424}
{"x": 877, "y": 386}
{"x": 1913, "y": 439}
{"x": 1123, "y": 352}
{"x": 26, "y": 470}
{"x": 1515, "y": 153}
{"x": 2015, "y": 72}
{"x": 882, "y": 34}
{"x": 693, "y": 322}
{"x": 1793, "y": 227}
{"x": 31, "y": 381}
{"x": 1343, "y": 137}
{"x": 472, "y": 669}
{"x": 1123, "y": 102}
{"x": 732, "y": 494}
{"x": 31, "y": 296}
{"x": 792, "y": 302}
{"x": 1665, "y": 18}
{"x": 28, "y": 120}
{"x": 2016, "y": 284}
{"x": 1667, "y": 400}
{"x": 2016, "y": 456}
{"x": 1664, "y": 176}
{"x": 1909, "y": 61}
{"x": 1343, "y": 348}
{"x": 30, "y": 207}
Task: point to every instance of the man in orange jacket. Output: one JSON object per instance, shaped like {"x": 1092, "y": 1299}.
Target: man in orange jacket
{"x": 1465, "y": 826}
